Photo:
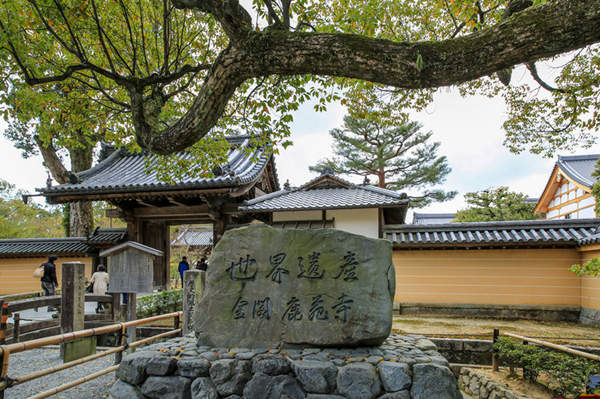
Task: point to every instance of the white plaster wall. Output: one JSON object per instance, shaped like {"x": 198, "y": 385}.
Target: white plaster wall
{"x": 297, "y": 215}
{"x": 357, "y": 221}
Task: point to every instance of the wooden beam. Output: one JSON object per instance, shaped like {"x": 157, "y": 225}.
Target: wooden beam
{"x": 174, "y": 202}
{"x": 56, "y": 199}
{"x": 144, "y": 203}
{"x": 179, "y": 211}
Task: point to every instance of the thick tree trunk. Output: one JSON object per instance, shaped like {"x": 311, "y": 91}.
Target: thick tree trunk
{"x": 81, "y": 216}
{"x": 538, "y": 32}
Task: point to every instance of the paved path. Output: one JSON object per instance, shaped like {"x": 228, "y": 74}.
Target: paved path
{"x": 43, "y": 314}
{"x": 38, "y": 359}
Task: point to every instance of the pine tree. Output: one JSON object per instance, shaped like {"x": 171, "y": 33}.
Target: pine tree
{"x": 400, "y": 156}
{"x": 495, "y": 205}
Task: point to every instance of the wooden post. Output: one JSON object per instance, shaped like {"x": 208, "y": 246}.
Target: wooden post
{"x": 194, "y": 282}
{"x": 116, "y": 306}
{"x": 119, "y": 355}
{"x": 131, "y": 315}
{"x": 3, "y": 319}
{"x": 73, "y": 311}
{"x": 494, "y": 350}
{"x": 16, "y": 327}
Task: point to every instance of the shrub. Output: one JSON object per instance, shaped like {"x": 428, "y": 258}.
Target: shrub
{"x": 163, "y": 302}
{"x": 568, "y": 372}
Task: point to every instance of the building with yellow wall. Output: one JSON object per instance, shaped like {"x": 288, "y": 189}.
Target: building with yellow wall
{"x": 20, "y": 257}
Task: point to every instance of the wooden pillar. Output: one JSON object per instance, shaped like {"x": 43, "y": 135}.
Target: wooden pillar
{"x": 131, "y": 315}
{"x": 116, "y": 307}
{"x": 194, "y": 282}
{"x": 73, "y": 311}
{"x": 494, "y": 350}
{"x": 3, "y": 319}
{"x": 16, "y": 327}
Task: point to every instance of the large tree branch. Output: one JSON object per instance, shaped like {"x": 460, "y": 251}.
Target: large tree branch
{"x": 53, "y": 161}
{"x": 234, "y": 18}
{"x": 538, "y": 32}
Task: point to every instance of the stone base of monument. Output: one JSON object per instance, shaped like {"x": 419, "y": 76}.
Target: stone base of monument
{"x": 403, "y": 367}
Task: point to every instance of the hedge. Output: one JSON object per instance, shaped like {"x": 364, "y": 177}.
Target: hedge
{"x": 569, "y": 373}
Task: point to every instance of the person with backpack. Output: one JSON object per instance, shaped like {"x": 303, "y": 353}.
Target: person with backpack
{"x": 48, "y": 280}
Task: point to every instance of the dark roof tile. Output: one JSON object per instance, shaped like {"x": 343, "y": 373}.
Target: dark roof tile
{"x": 536, "y": 233}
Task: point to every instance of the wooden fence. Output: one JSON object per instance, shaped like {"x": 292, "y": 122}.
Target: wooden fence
{"x": 43, "y": 328}
{"x": 6, "y": 350}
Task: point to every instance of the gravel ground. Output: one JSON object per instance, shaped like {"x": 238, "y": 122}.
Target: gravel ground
{"x": 38, "y": 359}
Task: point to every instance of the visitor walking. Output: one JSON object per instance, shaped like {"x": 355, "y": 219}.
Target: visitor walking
{"x": 183, "y": 266}
{"x": 48, "y": 280}
{"x": 100, "y": 282}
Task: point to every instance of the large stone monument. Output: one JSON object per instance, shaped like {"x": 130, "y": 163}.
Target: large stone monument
{"x": 292, "y": 314}
{"x": 271, "y": 287}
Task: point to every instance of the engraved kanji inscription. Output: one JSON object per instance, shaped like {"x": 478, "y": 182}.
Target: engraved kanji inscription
{"x": 242, "y": 271}
{"x": 348, "y": 268}
{"x": 342, "y": 308}
{"x": 277, "y": 270}
{"x": 313, "y": 271}
{"x": 293, "y": 310}
{"x": 317, "y": 310}
{"x": 262, "y": 309}
{"x": 239, "y": 309}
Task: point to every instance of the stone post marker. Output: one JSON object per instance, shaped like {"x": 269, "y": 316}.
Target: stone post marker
{"x": 194, "y": 282}
{"x": 72, "y": 314}
{"x": 269, "y": 287}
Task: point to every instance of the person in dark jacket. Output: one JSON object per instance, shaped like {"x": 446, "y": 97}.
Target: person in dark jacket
{"x": 48, "y": 280}
{"x": 201, "y": 264}
{"x": 183, "y": 266}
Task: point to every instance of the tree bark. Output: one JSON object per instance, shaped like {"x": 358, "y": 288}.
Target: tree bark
{"x": 81, "y": 215}
{"x": 537, "y": 32}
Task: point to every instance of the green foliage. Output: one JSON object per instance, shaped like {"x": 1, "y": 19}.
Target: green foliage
{"x": 589, "y": 268}
{"x": 380, "y": 143}
{"x": 160, "y": 303}
{"x": 149, "y": 56}
{"x": 20, "y": 220}
{"x": 569, "y": 373}
{"x": 495, "y": 205}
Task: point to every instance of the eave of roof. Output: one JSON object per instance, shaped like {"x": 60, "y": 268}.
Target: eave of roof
{"x": 534, "y": 233}
{"x": 567, "y": 165}
{"x": 103, "y": 179}
{"x": 62, "y": 246}
{"x": 326, "y": 192}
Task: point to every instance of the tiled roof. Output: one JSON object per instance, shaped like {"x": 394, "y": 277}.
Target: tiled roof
{"x": 326, "y": 192}
{"x": 108, "y": 236}
{"x": 194, "y": 238}
{"x": 124, "y": 172}
{"x": 27, "y": 247}
{"x": 304, "y": 224}
{"x": 594, "y": 239}
{"x": 64, "y": 246}
{"x": 432, "y": 218}
{"x": 531, "y": 233}
{"x": 579, "y": 168}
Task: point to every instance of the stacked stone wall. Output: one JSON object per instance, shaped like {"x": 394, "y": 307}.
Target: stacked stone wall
{"x": 403, "y": 367}
{"x": 480, "y": 386}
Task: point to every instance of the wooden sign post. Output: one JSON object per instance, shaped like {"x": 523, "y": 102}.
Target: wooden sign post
{"x": 72, "y": 314}
{"x": 131, "y": 266}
